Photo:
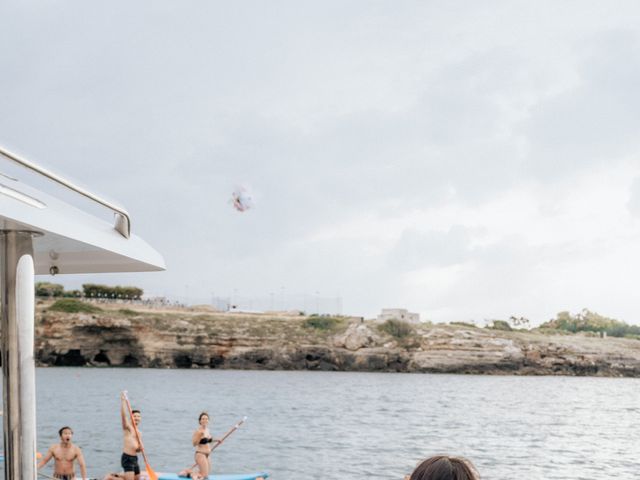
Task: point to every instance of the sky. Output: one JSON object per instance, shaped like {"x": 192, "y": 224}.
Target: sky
{"x": 464, "y": 160}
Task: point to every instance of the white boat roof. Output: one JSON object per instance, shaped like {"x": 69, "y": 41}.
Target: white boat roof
{"x": 70, "y": 239}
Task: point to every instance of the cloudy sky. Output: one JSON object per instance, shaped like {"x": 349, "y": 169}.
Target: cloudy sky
{"x": 464, "y": 160}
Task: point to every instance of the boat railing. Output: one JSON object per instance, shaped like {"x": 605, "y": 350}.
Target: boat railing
{"x": 122, "y": 218}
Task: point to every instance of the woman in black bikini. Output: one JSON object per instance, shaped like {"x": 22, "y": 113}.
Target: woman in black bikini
{"x": 202, "y": 440}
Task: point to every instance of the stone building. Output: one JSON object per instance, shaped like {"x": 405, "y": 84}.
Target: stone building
{"x": 398, "y": 314}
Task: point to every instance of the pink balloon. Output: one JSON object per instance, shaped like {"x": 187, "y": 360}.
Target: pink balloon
{"x": 241, "y": 199}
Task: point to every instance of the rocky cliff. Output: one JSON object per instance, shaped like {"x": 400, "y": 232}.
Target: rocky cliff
{"x": 198, "y": 339}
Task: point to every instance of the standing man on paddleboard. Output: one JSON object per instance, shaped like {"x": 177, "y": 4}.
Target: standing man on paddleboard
{"x": 131, "y": 445}
{"x": 65, "y": 454}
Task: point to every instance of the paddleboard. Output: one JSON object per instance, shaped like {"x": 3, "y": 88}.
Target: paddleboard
{"x": 232, "y": 476}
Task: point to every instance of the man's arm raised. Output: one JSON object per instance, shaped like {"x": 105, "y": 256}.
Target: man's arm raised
{"x": 123, "y": 412}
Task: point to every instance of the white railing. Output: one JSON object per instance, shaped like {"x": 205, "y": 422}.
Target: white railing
{"x": 123, "y": 221}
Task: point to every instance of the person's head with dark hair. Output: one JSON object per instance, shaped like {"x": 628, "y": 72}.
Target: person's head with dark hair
{"x": 444, "y": 467}
{"x": 204, "y": 415}
{"x": 65, "y": 434}
{"x": 137, "y": 416}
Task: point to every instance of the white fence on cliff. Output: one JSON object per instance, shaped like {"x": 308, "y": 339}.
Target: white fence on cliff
{"x": 302, "y": 302}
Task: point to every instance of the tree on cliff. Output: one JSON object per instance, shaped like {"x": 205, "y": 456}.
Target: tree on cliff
{"x": 588, "y": 321}
{"x": 92, "y": 290}
{"x": 47, "y": 289}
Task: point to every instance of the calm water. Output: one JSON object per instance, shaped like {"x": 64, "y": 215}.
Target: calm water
{"x": 306, "y": 425}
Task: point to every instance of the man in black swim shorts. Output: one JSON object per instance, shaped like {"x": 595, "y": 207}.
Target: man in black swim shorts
{"x": 130, "y": 464}
{"x": 131, "y": 445}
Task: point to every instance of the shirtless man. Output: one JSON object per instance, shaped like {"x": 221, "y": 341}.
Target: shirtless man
{"x": 131, "y": 446}
{"x": 65, "y": 454}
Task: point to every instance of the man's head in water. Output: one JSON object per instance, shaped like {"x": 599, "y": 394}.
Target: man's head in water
{"x": 203, "y": 419}
{"x": 137, "y": 416}
{"x": 66, "y": 434}
{"x": 443, "y": 467}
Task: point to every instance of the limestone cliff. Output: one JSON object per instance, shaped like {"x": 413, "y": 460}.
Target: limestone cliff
{"x": 200, "y": 339}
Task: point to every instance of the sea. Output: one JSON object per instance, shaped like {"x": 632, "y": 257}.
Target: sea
{"x": 339, "y": 426}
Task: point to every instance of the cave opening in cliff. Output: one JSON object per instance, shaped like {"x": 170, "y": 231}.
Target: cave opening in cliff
{"x": 73, "y": 358}
{"x": 130, "y": 361}
{"x": 183, "y": 361}
{"x": 102, "y": 357}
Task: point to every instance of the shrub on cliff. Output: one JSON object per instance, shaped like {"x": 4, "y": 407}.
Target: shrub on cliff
{"x": 396, "y": 328}
{"x": 500, "y": 325}
{"x": 71, "y": 305}
{"x": 321, "y": 323}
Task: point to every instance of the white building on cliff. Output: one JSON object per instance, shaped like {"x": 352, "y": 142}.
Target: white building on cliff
{"x": 398, "y": 314}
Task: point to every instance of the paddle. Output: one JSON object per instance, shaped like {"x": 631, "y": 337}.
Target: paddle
{"x": 152, "y": 475}
{"x": 224, "y": 437}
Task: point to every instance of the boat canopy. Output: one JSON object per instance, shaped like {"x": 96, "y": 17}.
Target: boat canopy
{"x": 70, "y": 240}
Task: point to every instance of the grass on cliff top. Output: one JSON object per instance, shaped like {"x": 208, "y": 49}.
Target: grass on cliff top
{"x": 463, "y": 324}
{"x": 322, "y": 323}
{"x": 71, "y": 305}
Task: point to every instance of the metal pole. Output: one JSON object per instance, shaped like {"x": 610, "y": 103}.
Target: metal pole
{"x": 18, "y": 366}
